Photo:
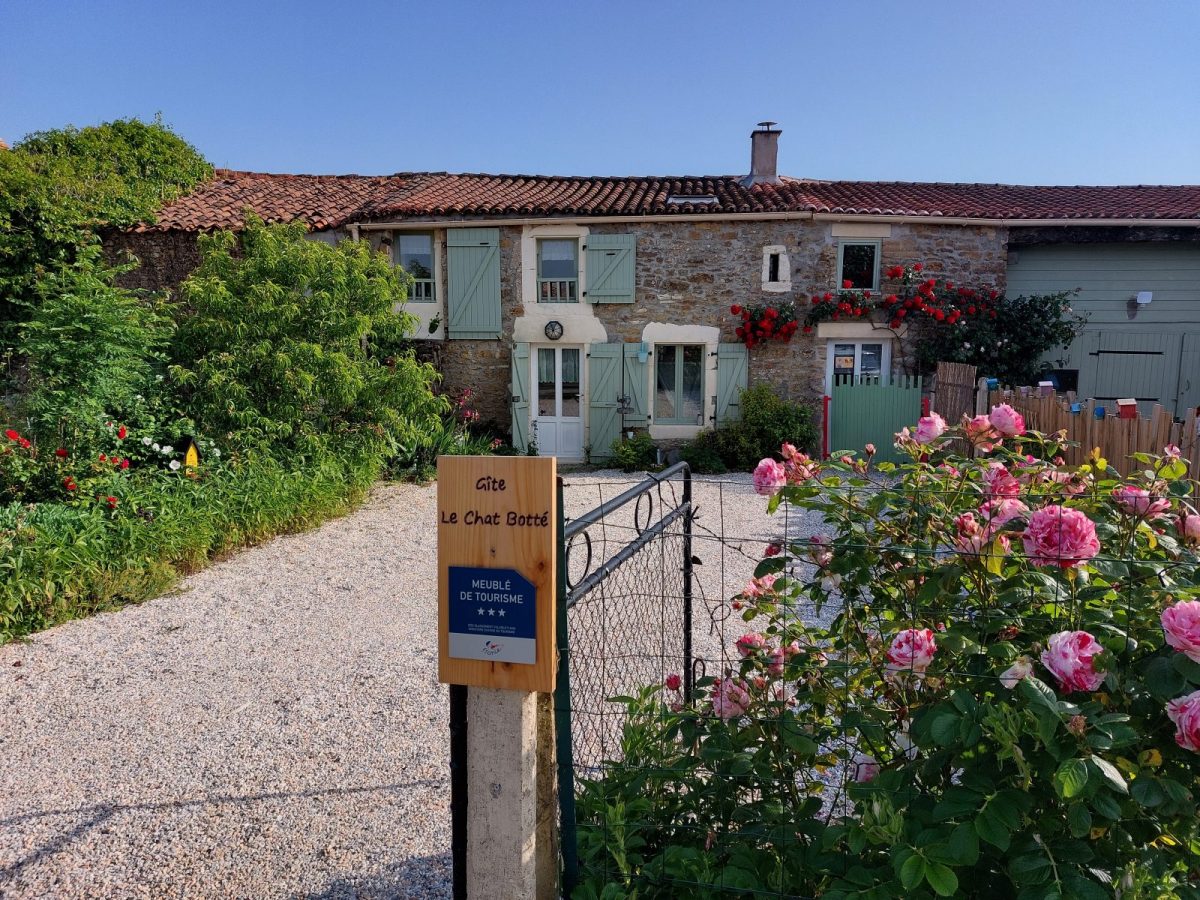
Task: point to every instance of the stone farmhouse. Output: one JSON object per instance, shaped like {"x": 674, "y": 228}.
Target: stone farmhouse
{"x": 580, "y": 308}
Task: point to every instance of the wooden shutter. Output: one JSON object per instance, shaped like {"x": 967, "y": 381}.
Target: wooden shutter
{"x": 732, "y": 377}
{"x": 519, "y": 396}
{"x": 604, "y": 393}
{"x": 635, "y": 385}
{"x": 610, "y": 267}
{"x": 473, "y": 283}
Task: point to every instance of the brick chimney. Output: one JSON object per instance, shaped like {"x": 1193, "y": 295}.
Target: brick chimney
{"x": 764, "y": 155}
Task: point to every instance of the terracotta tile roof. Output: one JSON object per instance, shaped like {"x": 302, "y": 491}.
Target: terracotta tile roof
{"x": 329, "y": 201}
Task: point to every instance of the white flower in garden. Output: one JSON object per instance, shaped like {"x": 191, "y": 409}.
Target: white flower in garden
{"x": 155, "y": 447}
{"x": 216, "y": 453}
{"x": 168, "y": 449}
{"x": 146, "y": 442}
{"x": 174, "y": 465}
{"x": 831, "y": 582}
{"x": 1018, "y": 671}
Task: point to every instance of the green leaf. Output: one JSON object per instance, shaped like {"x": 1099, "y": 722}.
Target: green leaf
{"x": 912, "y": 871}
{"x": 964, "y": 845}
{"x": 942, "y": 879}
{"x": 991, "y": 829}
{"x": 1111, "y": 774}
{"x": 1147, "y": 791}
{"x": 944, "y": 728}
{"x": 1079, "y": 820}
{"x": 1071, "y": 778}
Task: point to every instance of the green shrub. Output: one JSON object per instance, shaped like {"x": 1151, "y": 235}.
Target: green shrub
{"x": 57, "y": 187}
{"x": 702, "y": 456}
{"x": 634, "y": 454}
{"x": 272, "y": 351}
{"x": 93, "y": 350}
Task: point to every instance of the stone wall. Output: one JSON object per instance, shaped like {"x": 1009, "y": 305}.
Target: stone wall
{"x": 166, "y": 257}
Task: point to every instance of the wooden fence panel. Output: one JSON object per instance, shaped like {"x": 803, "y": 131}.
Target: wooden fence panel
{"x": 954, "y": 392}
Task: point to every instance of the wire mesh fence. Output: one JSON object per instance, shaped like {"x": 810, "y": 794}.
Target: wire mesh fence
{"x": 956, "y": 685}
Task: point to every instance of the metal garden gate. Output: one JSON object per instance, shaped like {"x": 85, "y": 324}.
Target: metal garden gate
{"x": 625, "y": 571}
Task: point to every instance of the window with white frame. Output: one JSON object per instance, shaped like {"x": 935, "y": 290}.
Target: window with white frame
{"x": 558, "y": 270}
{"x": 776, "y": 271}
{"x": 849, "y": 359}
{"x": 414, "y": 254}
{"x": 858, "y": 265}
{"x": 679, "y": 384}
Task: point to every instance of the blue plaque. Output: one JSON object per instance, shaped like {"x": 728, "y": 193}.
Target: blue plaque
{"x": 493, "y": 615}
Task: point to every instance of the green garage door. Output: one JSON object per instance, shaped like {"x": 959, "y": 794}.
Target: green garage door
{"x": 1150, "y": 351}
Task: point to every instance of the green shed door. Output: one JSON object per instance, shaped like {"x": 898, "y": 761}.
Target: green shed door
{"x": 519, "y": 394}
{"x": 733, "y": 369}
{"x": 473, "y": 283}
{"x": 604, "y": 394}
{"x": 610, "y": 268}
{"x": 635, "y": 374}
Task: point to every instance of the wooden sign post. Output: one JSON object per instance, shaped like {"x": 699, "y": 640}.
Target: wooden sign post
{"x": 497, "y": 527}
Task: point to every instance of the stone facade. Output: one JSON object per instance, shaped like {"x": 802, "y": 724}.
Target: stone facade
{"x": 686, "y": 273}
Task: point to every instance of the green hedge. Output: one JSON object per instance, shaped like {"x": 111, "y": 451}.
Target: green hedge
{"x": 60, "y": 562}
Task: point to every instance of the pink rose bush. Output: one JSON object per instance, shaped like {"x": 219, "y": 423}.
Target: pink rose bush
{"x": 1071, "y": 658}
{"x": 1015, "y": 701}
{"x": 1060, "y": 536}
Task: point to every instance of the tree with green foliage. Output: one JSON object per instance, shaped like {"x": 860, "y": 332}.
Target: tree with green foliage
{"x": 57, "y": 188}
{"x": 275, "y": 347}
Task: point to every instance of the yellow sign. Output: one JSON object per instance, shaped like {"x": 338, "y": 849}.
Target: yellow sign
{"x": 497, "y": 526}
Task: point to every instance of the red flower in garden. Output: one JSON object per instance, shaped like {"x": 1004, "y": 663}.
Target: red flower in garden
{"x": 808, "y": 329}
{"x": 103, "y": 458}
{"x": 25, "y": 443}
{"x": 112, "y": 502}
{"x": 939, "y": 315}
{"x": 12, "y": 435}
{"x": 121, "y": 432}
{"x": 895, "y": 323}
{"x": 917, "y": 267}
{"x": 895, "y": 272}
{"x": 736, "y": 310}
{"x": 124, "y": 464}
{"x": 61, "y": 452}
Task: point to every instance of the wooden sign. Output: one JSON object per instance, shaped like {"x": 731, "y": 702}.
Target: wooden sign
{"x": 497, "y": 525}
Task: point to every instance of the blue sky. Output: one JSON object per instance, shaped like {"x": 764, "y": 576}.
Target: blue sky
{"x": 1024, "y": 91}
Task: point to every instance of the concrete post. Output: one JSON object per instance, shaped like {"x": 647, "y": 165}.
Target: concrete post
{"x": 502, "y": 814}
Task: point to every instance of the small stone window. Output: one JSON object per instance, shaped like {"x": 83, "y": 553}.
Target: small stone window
{"x": 776, "y": 271}
{"x": 858, "y": 265}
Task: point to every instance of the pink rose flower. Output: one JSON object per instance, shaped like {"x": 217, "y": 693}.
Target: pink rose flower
{"x": 981, "y": 544}
{"x": 999, "y": 482}
{"x": 1181, "y": 625}
{"x": 911, "y": 651}
{"x": 1185, "y": 713}
{"x": 1135, "y": 501}
{"x": 1189, "y": 530}
{"x": 799, "y": 468}
{"x": 819, "y": 550}
{"x": 1018, "y": 671}
{"x": 929, "y": 428}
{"x": 1171, "y": 451}
{"x": 730, "y": 698}
{"x": 870, "y": 449}
{"x": 775, "y": 660}
{"x": 1007, "y": 420}
{"x": 966, "y": 526}
{"x": 673, "y": 681}
{"x": 1058, "y": 536}
{"x": 1068, "y": 482}
{"x": 866, "y": 768}
{"x": 759, "y": 586}
{"x": 769, "y": 477}
{"x": 1071, "y": 658}
{"x": 788, "y": 451}
{"x": 998, "y": 513}
{"x": 751, "y": 643}
{"x": 982, "y": 433}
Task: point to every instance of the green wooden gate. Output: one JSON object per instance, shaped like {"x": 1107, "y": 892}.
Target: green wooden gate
{"x": 863, "y": 411}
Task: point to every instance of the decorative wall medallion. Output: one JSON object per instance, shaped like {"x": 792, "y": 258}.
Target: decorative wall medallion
{"x": 554, "y": 330}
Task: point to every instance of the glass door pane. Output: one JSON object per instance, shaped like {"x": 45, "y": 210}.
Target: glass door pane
{"x": 547, "y": 382}
{"x": 843, "y": 362}
{"x": 872, "y": 360}
{"x": 664, "y": 394}
{"x": 570, "y": 381}
{"x": 693, "y": 383}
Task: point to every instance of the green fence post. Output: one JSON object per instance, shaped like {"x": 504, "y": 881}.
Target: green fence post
{"x": 562, "y": 720}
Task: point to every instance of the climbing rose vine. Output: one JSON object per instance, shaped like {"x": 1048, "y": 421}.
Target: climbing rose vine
{"x": 981, "y": 677}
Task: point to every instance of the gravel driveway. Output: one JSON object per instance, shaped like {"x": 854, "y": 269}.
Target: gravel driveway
{"x": 273, "y": 728}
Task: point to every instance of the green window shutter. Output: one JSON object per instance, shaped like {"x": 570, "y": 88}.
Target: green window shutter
{"x": 473, "y": 283}
{"x": 610, "y": 267}
{"x": 604, "y": 393}
{"x": 519, "y": 396}
{"x": 732, "y": 372}
{"x": 635, "y": 382}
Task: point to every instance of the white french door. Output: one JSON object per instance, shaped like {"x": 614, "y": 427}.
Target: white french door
{"x": 558, "y": 415}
